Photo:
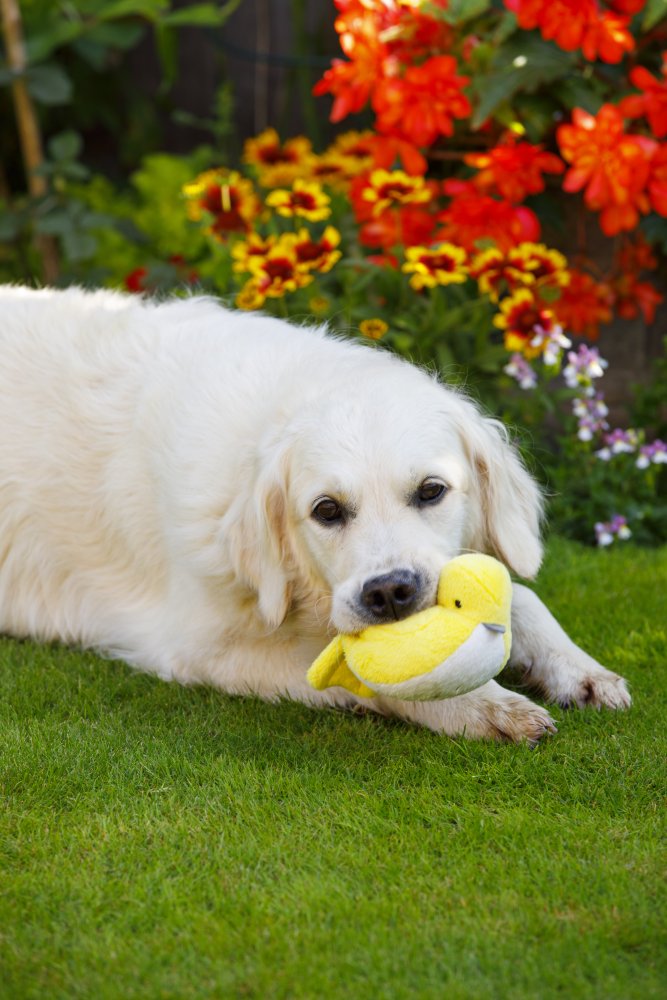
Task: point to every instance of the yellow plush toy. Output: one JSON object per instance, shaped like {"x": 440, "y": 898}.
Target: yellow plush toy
{"x": 453, "y": 647}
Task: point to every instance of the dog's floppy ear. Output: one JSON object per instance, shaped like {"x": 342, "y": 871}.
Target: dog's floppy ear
{"x": 510, "y": 502}
{"x": 256, "y": 532}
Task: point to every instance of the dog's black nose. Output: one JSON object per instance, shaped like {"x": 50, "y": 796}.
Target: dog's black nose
{"x": 391, "y": 596}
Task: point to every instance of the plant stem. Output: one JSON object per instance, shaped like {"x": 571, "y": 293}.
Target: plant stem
{"x": 28, "y": 127}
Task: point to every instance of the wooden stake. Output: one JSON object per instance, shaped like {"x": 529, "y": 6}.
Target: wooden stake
{"x": 28, "y": 127}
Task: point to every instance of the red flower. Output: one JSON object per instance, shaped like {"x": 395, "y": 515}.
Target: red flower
{"x": 422, "y": 105}
{"x": 135, "y": 281}
{"x": 351, "y": 83}
{"x": 473, "y": 219}
{"x": 513, "y": 169}
{"x": 657, "y": 182}
{"x": 611, "y": 166}
{"x": 577, "y": 24}
{"x": 584, "y": 304}
{"x": 652, "y": 103}
{"x": 634, "y": 297}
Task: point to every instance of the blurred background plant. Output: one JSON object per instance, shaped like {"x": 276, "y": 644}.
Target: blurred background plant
{"x": 486, "y": 134}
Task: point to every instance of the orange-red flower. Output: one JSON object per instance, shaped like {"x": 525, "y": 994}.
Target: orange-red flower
{"x": 584, "y": 304}
{"x": 422, "y": 104}
{"x": 611, "y": 166}
{"x": 577, "y": 24}
{"x": 473, "y": 219}
{"x": 513, "y": 169}
{"x": 657, "y": 181}
{"x": 633, "y": 297}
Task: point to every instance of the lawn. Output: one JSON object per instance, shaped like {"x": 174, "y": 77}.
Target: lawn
{"x": 157, "y": 841}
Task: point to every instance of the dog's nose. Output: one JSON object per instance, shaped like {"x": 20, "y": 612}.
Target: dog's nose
{"x": 391, "y": 596}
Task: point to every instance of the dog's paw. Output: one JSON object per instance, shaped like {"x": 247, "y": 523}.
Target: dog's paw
{"x": 488, "y": 713}
{"x": 581, "y": 681}
{"x": 514, "y": 718}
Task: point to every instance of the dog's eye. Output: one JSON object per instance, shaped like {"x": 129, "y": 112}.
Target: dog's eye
{"x": 430, "y": 491}
{"x": 328, "y": 511}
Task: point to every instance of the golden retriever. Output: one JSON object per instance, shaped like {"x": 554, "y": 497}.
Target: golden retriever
{"x": 208, "y": 494}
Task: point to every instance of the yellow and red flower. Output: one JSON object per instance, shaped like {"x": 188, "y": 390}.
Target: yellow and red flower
{"x": 521, "y": 266}
{"x": 306, "y": 199}
{"x": 277, "y": 164}
{"x": 524, "y": 318}
{"x": 278, "y": 272}
{"x": 421, "y": 105}
{"x": 254, "y": 246}
{"x": 384, "y": 189}
{"x": 443, "y": 264}
{"x": 513, "y": 169}
{"x": 610, "y": 166}
{"x": 224, "y": 199}
{"x": 315, "y": 254}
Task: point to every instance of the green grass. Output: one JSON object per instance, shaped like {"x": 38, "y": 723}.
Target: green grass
{"x": 157, "y": 841}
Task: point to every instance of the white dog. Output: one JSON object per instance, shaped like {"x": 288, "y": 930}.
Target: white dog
{"x": 207, "y": 494}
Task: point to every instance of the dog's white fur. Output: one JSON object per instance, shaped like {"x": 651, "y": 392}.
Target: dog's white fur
{"x": 159, "y": 463}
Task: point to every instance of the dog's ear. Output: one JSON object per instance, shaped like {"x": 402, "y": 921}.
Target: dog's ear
{"x": 509, "y": 507}
{"x": 256, "y": 532}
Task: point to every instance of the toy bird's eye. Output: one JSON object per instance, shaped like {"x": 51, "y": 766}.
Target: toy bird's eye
{"x": 328, "y": 511}
{"x": 431, "y": 491}
{"x": 457, "y": 603}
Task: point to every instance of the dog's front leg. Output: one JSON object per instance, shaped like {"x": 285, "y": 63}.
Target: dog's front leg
{"x": 490, "y": 712}
{"x": 554, "y": 664}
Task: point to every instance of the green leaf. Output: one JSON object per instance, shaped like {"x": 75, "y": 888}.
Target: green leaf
{"x": 65, "y": 146}
{"x": 151, "y": 10}
{"x": 654, "y": 11}
{"x": 525, "y": 63}
{"x": 203, "y": 15}
{"x": 459, "y": 11}
{"x": 49, "y": 84}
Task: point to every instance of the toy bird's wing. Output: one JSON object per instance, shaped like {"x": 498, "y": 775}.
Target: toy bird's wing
{"x": 330, "y": 669}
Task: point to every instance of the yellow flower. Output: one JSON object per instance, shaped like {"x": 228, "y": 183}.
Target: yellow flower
{"x": 277, "y": 163}
{"x": 306, "y": 199}
{"x": 375, "y": 329}
{"x": 391, "y": 188}
{"x": 250, "y": 296}
{"x": 318, "y": 304}
{"x": 224, "y": 199}
{"x": 443, "y": 264}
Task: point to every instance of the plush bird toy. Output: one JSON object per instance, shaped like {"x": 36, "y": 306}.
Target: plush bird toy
{"x": 453, "y": 647}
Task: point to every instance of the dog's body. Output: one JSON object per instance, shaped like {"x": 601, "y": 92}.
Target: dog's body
{"x": 207, "y": 493}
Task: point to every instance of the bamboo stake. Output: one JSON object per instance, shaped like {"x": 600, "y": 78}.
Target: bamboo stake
{"x": 28, "y": 127}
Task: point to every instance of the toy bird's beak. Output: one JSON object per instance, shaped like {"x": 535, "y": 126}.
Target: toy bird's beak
{"x": 492, "y": 627}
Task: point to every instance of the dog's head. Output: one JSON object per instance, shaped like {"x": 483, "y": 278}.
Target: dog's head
{"x": 365, "y": 496}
